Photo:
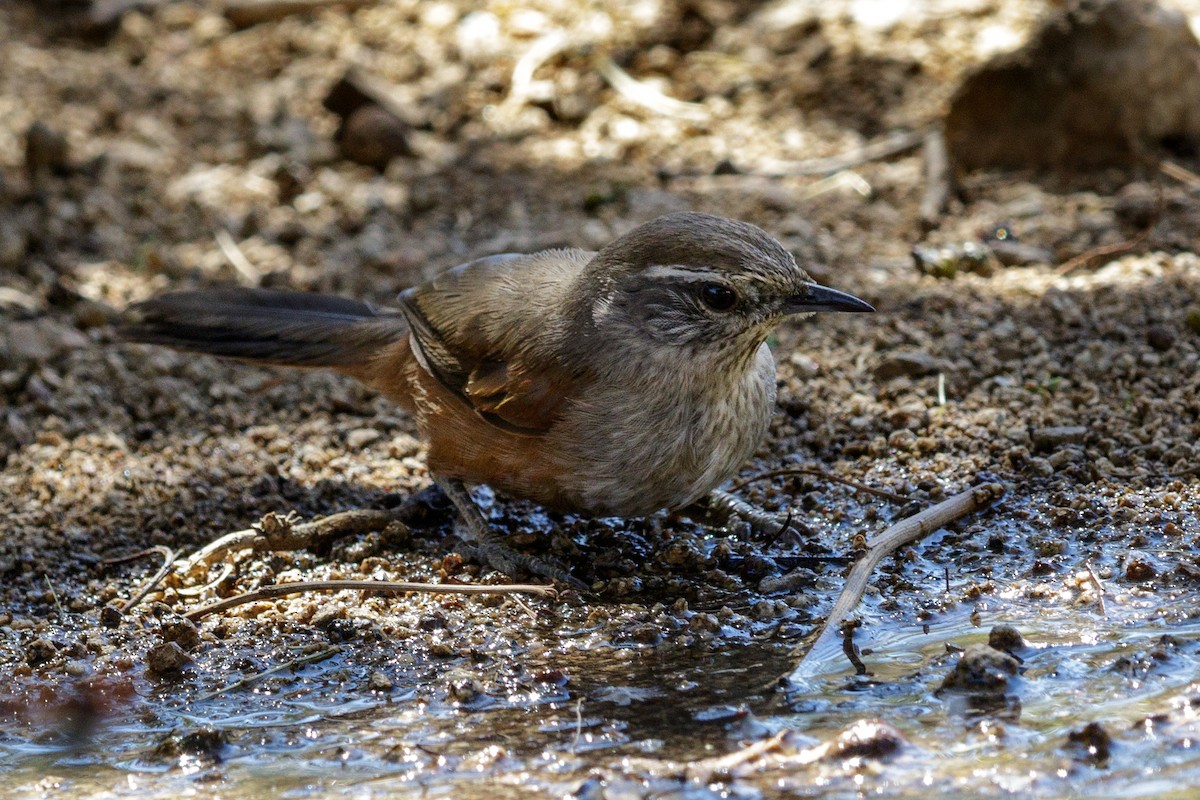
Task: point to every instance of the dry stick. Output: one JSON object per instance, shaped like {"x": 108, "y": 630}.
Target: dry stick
{"x": 907, "y": 530}
{"x": 820, "y": 473}
{"x": 647, "y": 96}
{"x": 168, "y": 556}
{"x": 390, "y": 587}
{"x": 1099, "y": 587}
{"x": 247, "y": 13}
{"x": 1110, "y": 250}
{"x": 320, "y": 655}
{"x": 937, "y": 176}
{"x": 1181, "y": 174}
{"x": 284, "y": 535}
{"x": 237, "y": 259}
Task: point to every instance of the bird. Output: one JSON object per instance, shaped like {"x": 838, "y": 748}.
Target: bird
{"x": 611, "y": 383}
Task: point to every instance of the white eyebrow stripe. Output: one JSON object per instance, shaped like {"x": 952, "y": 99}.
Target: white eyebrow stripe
{"x": 676, "y": 271}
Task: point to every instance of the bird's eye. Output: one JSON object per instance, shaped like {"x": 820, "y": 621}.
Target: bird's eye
{"x": 718, "y": 297}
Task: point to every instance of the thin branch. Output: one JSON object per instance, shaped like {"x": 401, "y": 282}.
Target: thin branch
{"x": 388, "y": 587}
{"x": 819, "y": 473}
{"x": 280, "y": 532}
{"x": 937, "y": 176}
{"x": 251, "y": 274}
{"x": 906, "y": 531}
{"x": 320, "y": 655}
{"x": 1095, "y": 579}
{"x": 891, "y": 145}
{"x": 647, "y": 96}
{"x": 168, "y": 556}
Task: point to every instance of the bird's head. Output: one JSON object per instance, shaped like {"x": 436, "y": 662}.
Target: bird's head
{"x": 700, "y": 281}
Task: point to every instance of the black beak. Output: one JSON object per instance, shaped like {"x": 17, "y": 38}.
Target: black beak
{"x": 816, "y": 297}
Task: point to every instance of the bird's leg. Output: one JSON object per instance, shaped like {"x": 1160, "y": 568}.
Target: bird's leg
{"x": 484, "y": 544}
{"x": 729, "y": 508}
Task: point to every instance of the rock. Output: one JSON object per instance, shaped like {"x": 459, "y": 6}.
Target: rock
{"x": 910, "y": 364}
{"x": 181, "y": 631}
{"x": 39, "y": 651}
{"x": 1054, "y": 438}
{"x": 1006, "y": 639}
{"x": 166, "y": 658}
{"x": 39, "y": 340}
{"x": 372, "y": 136}
{"x": 1090, "y": 745}
{"x": 45, "y": 150}
{"x": 1139, "y": 571}
{"x": 1100, "y": 84}
{"x": 981, "y": 670}
{"x": 1160, "y": 337}
{"x": 359, "y": 438}
{"x": 866, "y": 738}
{"x": 374, "y": 126}
{"x": 1012, "y": 253}
{"x": 1137, "y": 204}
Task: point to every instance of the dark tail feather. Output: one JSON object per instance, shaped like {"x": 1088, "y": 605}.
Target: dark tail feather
{"x": 295, "y": 329}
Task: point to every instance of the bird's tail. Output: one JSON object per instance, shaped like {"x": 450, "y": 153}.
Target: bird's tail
{"x": 295, "y": 329}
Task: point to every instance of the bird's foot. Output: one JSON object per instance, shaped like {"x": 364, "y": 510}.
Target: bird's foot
{"x": 772, "y": 525}
{"x": 482, "y": 543}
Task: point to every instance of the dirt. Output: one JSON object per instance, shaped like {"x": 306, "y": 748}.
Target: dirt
{"x": 1079, "y": 390}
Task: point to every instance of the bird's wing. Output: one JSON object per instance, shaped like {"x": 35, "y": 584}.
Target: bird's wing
{"x": 491, "y": 331}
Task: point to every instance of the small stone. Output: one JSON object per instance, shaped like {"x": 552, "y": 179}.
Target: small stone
{"x": 182, "y": 631}
{"x": 866, "y": 738}
{"x": 373, "y": 136}
{"x": 41, "y": 339}
{"x": 1193, "y": 319}
{"x": 379, "y": 682}
{"x": 111, "y": 616}
{"x": 1160, "y": 337}
{"x": 166, "y": 658}
{"x": 981, "y": 670}
{"x": 910, "y": 364}
{"x": 1005, "y": 638}
{"x": 1091, "y": 744}
{"x": 361, "y": 437}
{"x": 1140, "y": 571}
{"x": 39, "y": 651}
{"x": 45, "y": 149}
{"x": 1054, "y": 438}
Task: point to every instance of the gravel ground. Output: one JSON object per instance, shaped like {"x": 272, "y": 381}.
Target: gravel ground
{"x": 1079, "y": 390}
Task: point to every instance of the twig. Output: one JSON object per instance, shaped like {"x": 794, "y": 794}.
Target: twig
{"x": 389, "y": 587}
{"x": 748, "y": 753}
{"x": 1099, "y": 587}
{"x": 647, "y": 96}
{"x": 937, "y": 176}
{"x": 542, "y": 50}
{"x": 54, "y": 596}
{"x": 878, "y": 548}
{"x": 578, "y": 724}
{"x": 18, "y": 299}
{"x": 234, "y": 255}
{"x": 1181, "y": 174}
{"x": 196, "y": 591}
{"x": 819, "y": 473}
{"x": 1106, "y": 251}
{"x": 891, "y": 145}
{"x": 320, "y": 655}
{"x": 247, "y": 13}
{"x": 850, "y": 649}
{"x": 168, "y": 556}
{"x": 279, "y": 532}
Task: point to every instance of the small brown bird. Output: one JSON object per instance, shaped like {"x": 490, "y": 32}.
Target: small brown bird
{"x": 619, "y": 383}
